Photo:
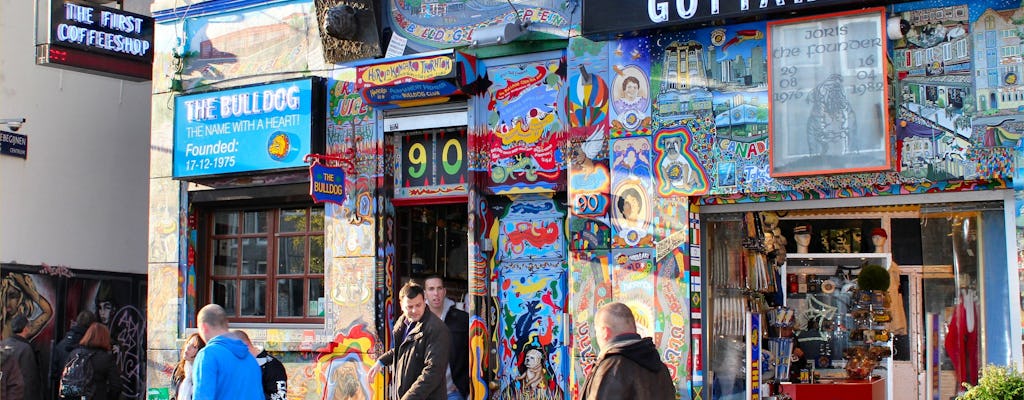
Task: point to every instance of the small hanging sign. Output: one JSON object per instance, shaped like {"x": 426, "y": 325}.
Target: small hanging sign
{"x": 326, "y": 182}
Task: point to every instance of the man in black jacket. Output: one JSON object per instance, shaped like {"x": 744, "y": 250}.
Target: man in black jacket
{"x": 22, "y": 350}
{"x": 63, "y": 348}
{"x": 275, "y": 378}
{"x": 419, "y": 357}
{"x": 457, "y": 379}
{"x": 629, "y": 367}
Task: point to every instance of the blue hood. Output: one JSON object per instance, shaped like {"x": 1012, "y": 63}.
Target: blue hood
{"x": 232, "y": 344}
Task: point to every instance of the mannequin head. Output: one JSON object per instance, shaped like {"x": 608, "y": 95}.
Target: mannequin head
{"x": 878, "y": 238}
{"x": 802, "y": 237}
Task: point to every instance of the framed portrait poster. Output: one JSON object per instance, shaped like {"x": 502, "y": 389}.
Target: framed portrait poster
{"x": 828, "y": 91}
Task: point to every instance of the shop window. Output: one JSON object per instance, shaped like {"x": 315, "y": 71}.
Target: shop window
{"x": 268, "y": 265}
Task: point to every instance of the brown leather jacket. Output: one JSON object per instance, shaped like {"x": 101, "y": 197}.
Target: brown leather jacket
{"x": 420, "y": 360}
{"x": 630, "y": 369}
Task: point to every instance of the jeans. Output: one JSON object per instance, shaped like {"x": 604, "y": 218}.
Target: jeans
{"x": 455, "y": 395}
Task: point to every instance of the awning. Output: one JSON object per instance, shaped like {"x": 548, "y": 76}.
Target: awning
{"x": 421, "y": 79}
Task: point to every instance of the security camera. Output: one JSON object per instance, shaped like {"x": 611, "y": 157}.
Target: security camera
{"x": 13, "y": 123}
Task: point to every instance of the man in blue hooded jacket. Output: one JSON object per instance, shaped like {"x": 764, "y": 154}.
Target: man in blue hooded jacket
{"x": 224, "y": 369}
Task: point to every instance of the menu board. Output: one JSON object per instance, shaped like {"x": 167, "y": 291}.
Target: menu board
{"x": 828, "y": 91}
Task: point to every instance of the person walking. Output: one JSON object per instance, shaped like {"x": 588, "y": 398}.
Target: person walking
{"x": 22, "y": 350}
{"x": 224, "y": 369}
{"x": 105, "y": 383}
{"x": 275, "y": 378}
{"x": 65, "y": 346}
{"x": 12, "y": 385}
{"x": 629, "y": 367}
{"x": 457, "y": 321}
{"x": 181, "y": 379}
{"x": 420, "y": 356}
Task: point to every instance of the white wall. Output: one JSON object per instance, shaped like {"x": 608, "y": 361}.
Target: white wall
{"x": 81, "y": 198}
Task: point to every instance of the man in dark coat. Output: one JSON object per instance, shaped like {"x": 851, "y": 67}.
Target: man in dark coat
{"x": 275, "y": 377}
{"x": 629, "y": 366}
{"x": 420, "y": 357}
{"x": 63, "y": 348}
{"x": 12, "y": 385}
{"x": 457, "y": 379}
{"x": 23, "y": 351}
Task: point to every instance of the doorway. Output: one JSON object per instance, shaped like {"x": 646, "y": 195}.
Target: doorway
{"x": 431, "y": 240}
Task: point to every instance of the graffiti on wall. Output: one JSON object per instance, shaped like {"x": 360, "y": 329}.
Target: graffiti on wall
{"x": 342, "y": 365}
{"x": 525, "y": 131}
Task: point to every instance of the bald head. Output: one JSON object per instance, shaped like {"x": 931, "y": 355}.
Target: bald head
{"x": 613, "y": 320}
{"x": 212, "y": 321}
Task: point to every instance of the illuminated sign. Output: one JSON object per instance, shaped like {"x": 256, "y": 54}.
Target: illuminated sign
{"x": 603, "y": 19}
{"x": 431, "y": 164}
{"x": 248, "y": 129}
{"x": 405, "y": 71}
{"x": 98, "y": 39}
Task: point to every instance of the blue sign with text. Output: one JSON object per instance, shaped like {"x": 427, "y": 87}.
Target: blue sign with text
{"x": 247, "y": 129}
{"x": 326, "y": 184}
{"x": 13, "y": 144}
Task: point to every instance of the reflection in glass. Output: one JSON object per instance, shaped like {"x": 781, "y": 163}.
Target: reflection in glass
{"x": 253, "y": 293}
{"x": 225, "y": 257}
{"x": 289, "y": 297}
{"x": 291, "y": 255}
{"x": 255, "y": 221}
{"x": 316, "y": 254}
{"x": 293, "y": 220}
{"x": 225, "y": 223}
{"x": 316, "y": 296}
{"x": 224, "y": 293}
{"x": 254, "y": 256}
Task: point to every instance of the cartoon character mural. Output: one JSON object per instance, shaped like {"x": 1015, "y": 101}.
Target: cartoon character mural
{"x": 525, "y": 127}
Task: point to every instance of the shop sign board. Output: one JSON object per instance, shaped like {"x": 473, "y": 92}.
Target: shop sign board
{"x": 13, "y": 144}
{"x": 248, "y": 129}
{"x": 97, "y": 39}
{"x": 603, "y": 19}
{"x": 326, "y": 184}
{"x": 424, "y": 69}
{"x": 431, "y": 165}
{"x": 384, "y": 96}
{"x": 828, "y": 91}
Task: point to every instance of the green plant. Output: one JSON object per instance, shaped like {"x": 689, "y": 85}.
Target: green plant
{"x": 996, "y": 383}
{"x": 873, "y": 277}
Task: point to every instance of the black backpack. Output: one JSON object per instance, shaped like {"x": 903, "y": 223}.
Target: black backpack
{"x": 76, "y": 381}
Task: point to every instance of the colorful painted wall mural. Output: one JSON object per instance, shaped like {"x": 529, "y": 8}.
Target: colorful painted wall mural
{"x": 441, "y": 24}
{"x": 525, "y": 127}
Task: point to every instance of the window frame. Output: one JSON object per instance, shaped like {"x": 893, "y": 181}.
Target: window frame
{"x": 207, "y": 248}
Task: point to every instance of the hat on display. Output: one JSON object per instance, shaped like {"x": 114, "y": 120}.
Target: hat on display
{"x": 803, "y": 229}
{"x": 879, "y": 232}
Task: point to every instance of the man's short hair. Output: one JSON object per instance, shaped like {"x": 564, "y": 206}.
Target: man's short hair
{"x": 241, "y": 335}
{"x": 213, "y": 315}
{"x": 18, "y": 323}
{"x": 433, "y": 276}
{"x": 410, "y": 290}
{"x": 618, "y": 317}
{"x": 85, "y": 318}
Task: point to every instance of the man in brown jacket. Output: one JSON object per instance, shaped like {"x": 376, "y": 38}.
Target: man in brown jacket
{"x": 419, "y": 359}
{"x": 629, "y": 366}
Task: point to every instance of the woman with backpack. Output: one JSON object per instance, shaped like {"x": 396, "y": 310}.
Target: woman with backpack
{"x": 181, "y": 379}
{"x": 91, "y": 371}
